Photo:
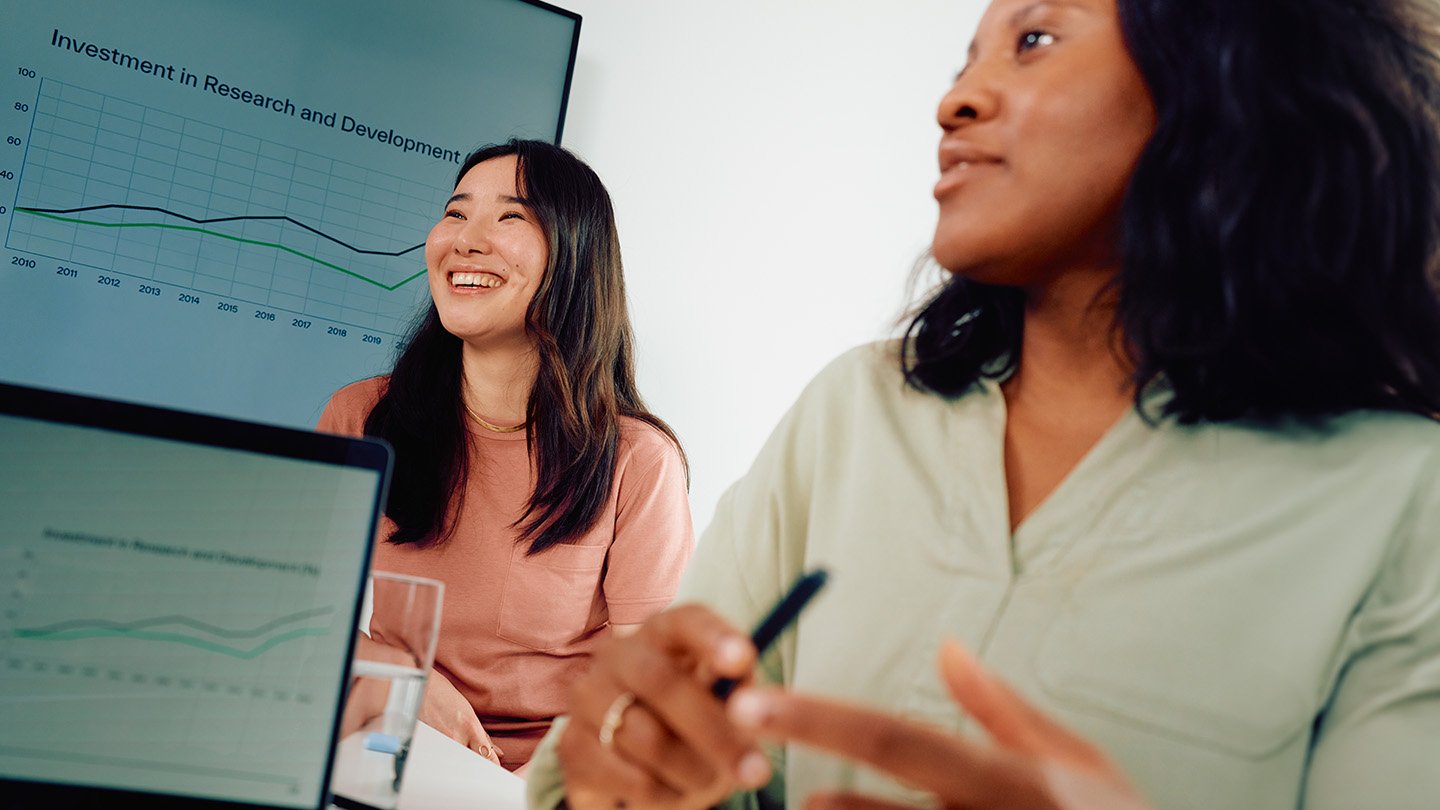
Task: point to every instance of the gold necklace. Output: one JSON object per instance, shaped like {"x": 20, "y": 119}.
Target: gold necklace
{"x": 490, "y": 427}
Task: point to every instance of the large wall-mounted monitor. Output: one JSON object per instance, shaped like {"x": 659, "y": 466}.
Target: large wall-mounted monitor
{"x": 221, "y": 206}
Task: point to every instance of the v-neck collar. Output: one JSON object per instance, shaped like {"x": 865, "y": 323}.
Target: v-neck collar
{"x": 1052, "y": 527}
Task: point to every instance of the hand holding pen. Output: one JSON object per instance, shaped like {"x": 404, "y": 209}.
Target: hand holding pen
{"x": 648, "y": 724}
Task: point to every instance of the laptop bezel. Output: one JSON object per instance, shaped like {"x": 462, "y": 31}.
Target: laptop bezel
{"x": 214, "y": 431}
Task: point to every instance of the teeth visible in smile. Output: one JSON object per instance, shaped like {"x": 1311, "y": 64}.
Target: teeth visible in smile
{"x": 964, "y": 164}
{"x": 475, "y": 280}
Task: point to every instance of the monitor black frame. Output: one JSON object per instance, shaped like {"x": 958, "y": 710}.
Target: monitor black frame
{"x": 569, "y": 66}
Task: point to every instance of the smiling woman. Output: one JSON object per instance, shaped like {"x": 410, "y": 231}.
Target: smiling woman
{"x": 529, "y": 476}
{"x": 486, "y": 257}
{"x": 1161, "y": 451}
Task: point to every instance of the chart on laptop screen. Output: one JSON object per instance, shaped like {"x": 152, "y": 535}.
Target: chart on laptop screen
{"x": 171, "y": 615}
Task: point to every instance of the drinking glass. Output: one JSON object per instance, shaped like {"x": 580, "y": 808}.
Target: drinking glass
{"x": 393, "y": 656}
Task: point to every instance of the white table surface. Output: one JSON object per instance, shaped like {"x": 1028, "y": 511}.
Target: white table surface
{"x": 445, "y": 775}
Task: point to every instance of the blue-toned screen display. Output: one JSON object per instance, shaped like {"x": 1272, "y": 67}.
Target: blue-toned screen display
{"x": 220, "y": 206}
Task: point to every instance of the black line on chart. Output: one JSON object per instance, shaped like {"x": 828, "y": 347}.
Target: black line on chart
{"x": 258, "y": 217}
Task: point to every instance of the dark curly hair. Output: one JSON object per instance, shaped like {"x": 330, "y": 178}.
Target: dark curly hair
{"x": 586, "y": 378}
{"x": 1280, "y": 234}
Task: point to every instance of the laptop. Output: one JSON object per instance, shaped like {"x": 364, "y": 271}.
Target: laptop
{"x": 178, "y": 603}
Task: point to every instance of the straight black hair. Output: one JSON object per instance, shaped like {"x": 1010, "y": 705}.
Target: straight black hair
{"x": 580, "y": 325}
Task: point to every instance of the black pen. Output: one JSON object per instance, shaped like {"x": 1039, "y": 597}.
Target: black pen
{"x": 780, "y": 617}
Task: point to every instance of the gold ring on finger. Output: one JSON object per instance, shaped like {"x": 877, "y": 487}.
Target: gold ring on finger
{"x": 614, "y": 715}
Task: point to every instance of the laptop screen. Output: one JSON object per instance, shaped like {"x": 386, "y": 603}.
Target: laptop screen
{"x": 176, "y": 617}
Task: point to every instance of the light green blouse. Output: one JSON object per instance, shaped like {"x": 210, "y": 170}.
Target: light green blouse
{"x": 1239, "y": 616}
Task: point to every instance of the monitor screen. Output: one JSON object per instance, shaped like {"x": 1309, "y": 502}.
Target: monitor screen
{"x": 220, "y": 206}
{"x": 174, "y": 617}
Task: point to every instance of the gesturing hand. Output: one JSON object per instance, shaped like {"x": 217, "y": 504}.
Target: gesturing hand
{"x": 1035, "y": 763}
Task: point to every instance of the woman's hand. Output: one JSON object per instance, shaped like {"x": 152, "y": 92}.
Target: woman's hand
{"x": 668, "y": 741}
{"x": 1034, "y": 764}
{"x": 442, "y": 708}
{"x": 448, "y": 712}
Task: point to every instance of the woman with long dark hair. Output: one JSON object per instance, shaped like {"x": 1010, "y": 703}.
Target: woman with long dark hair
{"x": 529, "y": 476}
{"x": 1161, "y": 452}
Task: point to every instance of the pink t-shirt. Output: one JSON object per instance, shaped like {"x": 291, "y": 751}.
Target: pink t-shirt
{"x": 516, "y": 630}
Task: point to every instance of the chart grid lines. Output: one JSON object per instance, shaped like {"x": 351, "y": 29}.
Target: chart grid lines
{"x": 210, "y": 220}
{"x": 25, "y": 159}
{"x": 162, "y": 225}
{"x": 295, "y": 231}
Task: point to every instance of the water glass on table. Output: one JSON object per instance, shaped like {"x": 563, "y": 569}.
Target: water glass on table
{"x": 393, "y": 656}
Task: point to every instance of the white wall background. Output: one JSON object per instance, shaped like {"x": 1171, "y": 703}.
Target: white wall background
{"x": 771, "y": 166}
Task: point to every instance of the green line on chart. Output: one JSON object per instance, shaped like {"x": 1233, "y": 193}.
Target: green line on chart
{"x": 276, "y": 245}
{"x": 234, "y": 652}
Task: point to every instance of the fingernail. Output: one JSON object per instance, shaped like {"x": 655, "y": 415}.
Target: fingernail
{"x": 748, "y": 708}
{"x": 754, "y": 770}
{"x": 731, "y": 652}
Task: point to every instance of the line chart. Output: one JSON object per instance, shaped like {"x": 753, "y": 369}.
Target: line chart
{"x": 177, "y": 638}
{"x": 92, "y": 629}
{"x": 179, "y": 203}
{"x": 211, "y": 220}
{"x": 388, "y": 287}
{"x": 84, "y": 629}
{"x": 196, "y": 624}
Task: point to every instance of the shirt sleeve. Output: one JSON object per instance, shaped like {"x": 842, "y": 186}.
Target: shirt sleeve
{"x": 1376, "y": 740}
{"x": 654, "y": 536}
{"x": 751, "y": 551}
{"x": 716, "y": 579}
{"x": 721, "y": 581}
{"x": 759, "y": 540}
{"x": 544, "y": 782}
{"x": 348, "y": 408}
{"x": 329, "y": 421}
